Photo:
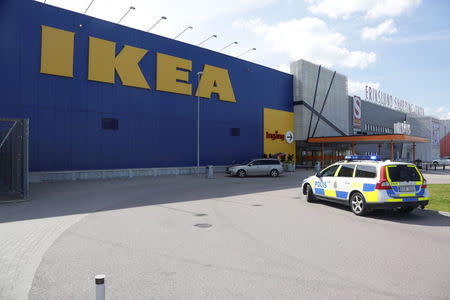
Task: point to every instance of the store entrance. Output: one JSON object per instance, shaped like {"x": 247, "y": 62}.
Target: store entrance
{"x": 308, "y": 154}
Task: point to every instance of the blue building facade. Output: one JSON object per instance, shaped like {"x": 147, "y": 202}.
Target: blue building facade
{"x": 155, "y": 128}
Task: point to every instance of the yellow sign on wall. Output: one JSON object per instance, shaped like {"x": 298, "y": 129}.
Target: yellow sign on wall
{"x": 279, "y": 132}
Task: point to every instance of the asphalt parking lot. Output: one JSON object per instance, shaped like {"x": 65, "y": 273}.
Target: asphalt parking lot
{"x": 186, "y": 237}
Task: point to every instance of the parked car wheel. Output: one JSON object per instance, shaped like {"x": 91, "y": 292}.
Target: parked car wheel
{"x": 274, "y": 173}
{"x": 241, "y": 173}
{"x": 358, "y": 204}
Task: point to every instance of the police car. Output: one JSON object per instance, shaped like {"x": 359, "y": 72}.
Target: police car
{"x": 365, "y": 183}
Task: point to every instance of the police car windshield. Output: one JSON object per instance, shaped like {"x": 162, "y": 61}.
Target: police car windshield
{"x": 403, "y": 173}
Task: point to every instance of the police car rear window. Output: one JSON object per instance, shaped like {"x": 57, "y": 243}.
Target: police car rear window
{"x": 346, "y": 171}
{"x": 366, "y": 171}
{"x": 403, "y": 173}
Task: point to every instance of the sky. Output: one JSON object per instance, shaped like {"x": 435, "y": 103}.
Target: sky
{"x": 400, "y": 47}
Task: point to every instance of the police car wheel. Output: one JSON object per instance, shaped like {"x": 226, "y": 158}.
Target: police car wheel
{"x": 309, "y": 194}
{"x": 274, "y": 173}
{"x": 406, "y": 210}
{"x": 358, "y": 204}
{"x": 241, "y": 173}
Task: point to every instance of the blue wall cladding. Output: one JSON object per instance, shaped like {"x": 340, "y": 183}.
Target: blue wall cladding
{"x": 157, "y": 129}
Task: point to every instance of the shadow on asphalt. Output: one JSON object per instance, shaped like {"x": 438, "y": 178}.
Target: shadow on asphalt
{"x": 422, "y": 217}
{"x": 80, "y": 197}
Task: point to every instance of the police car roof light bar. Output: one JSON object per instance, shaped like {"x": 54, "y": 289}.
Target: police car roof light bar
{"x": 363, "y": 157}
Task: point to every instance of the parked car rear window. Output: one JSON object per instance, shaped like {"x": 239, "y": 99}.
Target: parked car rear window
{"x": 403, "y": 173}
{"x": 366, "y": 171}
{"x": 346, "y": 171}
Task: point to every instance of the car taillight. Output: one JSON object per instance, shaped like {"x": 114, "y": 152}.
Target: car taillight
{"x": 424, "y": 184}
{"x": 383, "y": 184}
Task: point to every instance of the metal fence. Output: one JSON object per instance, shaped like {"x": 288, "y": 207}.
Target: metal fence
{"x": 13, "y": 159}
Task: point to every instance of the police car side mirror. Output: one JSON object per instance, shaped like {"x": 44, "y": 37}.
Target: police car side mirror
{"x": 318, "y": 174}
{"x": 250, "y": 165}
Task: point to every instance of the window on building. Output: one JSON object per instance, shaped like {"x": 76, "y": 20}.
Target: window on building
{"x": 110, "y": 124}
{"x": 235, "y": 131}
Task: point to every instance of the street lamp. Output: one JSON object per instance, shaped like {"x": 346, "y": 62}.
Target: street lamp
{"x": 199, "y": 74}
{"x": 212, "y": 36}
{"x": 189, "y": 27}
{"x": 246, "y": 52}
{"x": 160, "y": 19}
{"x": 131, "y": 8}
{"x": 228, "y": 45}
{"x": 88, "y": 7}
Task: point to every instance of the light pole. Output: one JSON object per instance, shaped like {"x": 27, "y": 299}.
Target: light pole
{"x": 228, "y": 46}
{"x": 189, "y": 27}
{"x": 212, "y": 36}
{"x": 199, "y": 74}
{"x": 246, "y": 52}
{"x": 162, "y": 18}
{"x": 131, "y": 8}
{"x": 88, "y": 7}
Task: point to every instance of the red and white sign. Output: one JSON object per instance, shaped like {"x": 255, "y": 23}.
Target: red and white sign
{"x": 356, "y": 112}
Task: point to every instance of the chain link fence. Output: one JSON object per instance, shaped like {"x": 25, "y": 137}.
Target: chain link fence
{"x": 13, "y": 159}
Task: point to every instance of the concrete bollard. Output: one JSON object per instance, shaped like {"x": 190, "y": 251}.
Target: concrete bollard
{"x": 100, "y": 287}
{"x": 210, "y": 172}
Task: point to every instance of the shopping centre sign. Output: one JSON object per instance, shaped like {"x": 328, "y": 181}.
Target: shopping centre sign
{"x": 381, "y": 98}
{"x": 172, "y": 73}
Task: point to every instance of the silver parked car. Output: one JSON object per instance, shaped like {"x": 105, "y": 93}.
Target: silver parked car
{"x": 264, "y": 166}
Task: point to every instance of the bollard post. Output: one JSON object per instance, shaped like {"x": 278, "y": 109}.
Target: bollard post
{"x": 435, "y": 167}
{"x": 443, "y": 167}
{"x": 100, "y": 287}
{"x": 426, "y": 167}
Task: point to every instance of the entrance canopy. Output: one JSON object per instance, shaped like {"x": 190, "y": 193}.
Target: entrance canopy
{"x": 371, "y": 139}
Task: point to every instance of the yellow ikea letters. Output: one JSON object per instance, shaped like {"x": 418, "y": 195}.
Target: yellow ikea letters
{"x": 172, "y": 73}
{"x": 168, "y": 72}
{"x": 57, "y": 51}
{"x": 103, "y": 63}
{"x": 215, "y": 80}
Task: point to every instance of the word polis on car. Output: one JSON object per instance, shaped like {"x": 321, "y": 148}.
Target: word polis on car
{"x": 172, "y": 73}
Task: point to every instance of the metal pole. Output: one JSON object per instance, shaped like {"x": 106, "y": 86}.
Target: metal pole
{"x": 208, "y": 39}
{"x": 198, "y": 124}
{"x": 88, "y": 7}
{"x": 228, "y": 46}
{"x": 100, "y": 287}
{"x": 131, "y": 7}
{"x": 189, "y": 27}
{"x": 160, "y": 19}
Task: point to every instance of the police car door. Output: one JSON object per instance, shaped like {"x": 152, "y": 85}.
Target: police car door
{"x": 343, "y": 181}
{"x": 325, "y": 181}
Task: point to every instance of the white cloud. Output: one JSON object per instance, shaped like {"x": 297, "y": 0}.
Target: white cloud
{"x": 358, "y": 88}
{"x": 310, "y": 39}
{"x": 370, "y": 8}
{"x": 441, "y": 112}
{"x": 381, "y": 31}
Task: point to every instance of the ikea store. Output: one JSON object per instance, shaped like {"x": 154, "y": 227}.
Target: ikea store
{"x": 80, "y": 96}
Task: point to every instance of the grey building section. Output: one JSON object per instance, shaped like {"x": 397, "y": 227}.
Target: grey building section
{"x": 428, "y": 127}
{"x": 377, "y": 119}
{"x": 325, "y": 91}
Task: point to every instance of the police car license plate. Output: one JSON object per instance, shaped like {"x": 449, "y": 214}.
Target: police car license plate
{"x": 409, "y": 188}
